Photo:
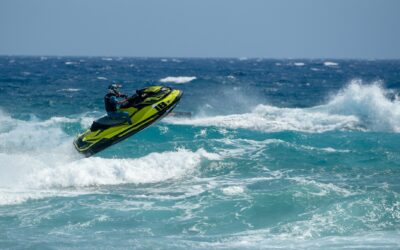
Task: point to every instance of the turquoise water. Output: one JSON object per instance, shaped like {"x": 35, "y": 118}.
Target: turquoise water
{"x": 285, "y": 154}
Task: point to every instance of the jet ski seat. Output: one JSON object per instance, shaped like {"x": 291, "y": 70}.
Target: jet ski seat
{"x": 106, "y": 122}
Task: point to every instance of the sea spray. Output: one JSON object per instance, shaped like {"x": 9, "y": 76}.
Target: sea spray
{"x": 369, "y": 103}
{"x": 356, "y": 107}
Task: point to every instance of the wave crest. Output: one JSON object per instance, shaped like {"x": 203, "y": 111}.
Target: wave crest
{"x": 178, "y": 79}
{"x": 356, "y": 107}
{"x": 37, "y": 159}
{"x": 369, "y": 103}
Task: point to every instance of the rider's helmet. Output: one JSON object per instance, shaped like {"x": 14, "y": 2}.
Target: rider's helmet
{"x": 114, "y": 88}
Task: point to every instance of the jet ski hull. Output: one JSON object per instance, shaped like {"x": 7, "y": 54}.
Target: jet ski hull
{"x": 142, "y": 115}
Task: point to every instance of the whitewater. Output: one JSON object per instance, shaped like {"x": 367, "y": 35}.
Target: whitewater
{"x": 356, "y": 107}
{"x": 275, "y": 155}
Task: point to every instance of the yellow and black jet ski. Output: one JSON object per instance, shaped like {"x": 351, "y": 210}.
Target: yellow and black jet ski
{"x": 143, "y": 112}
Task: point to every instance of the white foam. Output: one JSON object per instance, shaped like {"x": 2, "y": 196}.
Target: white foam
{"x": 102, "y": 78}
{"x": 178, "y": 79}
{"x": 299, "y": 64}
{"x": 369, "y": 103}
{"x": 356, "y": 107}
{"x": 155, "y": 167}
{"x": 240, "y": 147}
{"x": 30, "y": 176}
{"x": 321, "y": 189}
{"x": 31, "y": 135}
{"x": 331, "y": 64}
{"x": 163, "y": 129}
{"x": 26, "y": 146}
{"x": 272, "y": 119}
{"x": 71, "y": 63}
{"x": 233, "y": 190}
{"x": 303, "y": 237}
{"x": 202, "y": 133}
{"x": 37, "y": 160}
{"x": 15, "y": 196}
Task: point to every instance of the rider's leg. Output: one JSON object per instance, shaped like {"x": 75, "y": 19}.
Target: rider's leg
{"x": 120, "y": 114}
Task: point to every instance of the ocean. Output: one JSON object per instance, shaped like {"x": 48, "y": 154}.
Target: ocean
{"x": 278, "y": 154}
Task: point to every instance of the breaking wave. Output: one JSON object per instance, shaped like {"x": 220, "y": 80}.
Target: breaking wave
{"x": 38, "y": 160}
{"x": 356, "y": 107}
{"x": 369, "y": 103}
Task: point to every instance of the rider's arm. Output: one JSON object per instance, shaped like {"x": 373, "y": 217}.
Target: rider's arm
{"x": 115, "y": 100}
{"x": 123, "y": 96}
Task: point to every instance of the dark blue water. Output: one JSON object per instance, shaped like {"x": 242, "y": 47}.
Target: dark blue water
{"x": 278, "y": 154}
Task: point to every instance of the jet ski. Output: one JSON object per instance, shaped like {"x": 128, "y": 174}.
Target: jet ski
{"x": 143, "y": 112}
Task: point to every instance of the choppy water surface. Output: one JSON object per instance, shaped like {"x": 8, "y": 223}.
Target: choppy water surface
{"x": 278, "y": 154}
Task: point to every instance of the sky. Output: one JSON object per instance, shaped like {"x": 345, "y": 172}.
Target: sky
{"x": 361, "y": 29}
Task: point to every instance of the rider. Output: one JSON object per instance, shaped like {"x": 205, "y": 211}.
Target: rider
{"x": 112, "y": 103}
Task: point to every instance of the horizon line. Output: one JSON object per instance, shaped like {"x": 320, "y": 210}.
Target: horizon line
{"x": 207, "y": 57}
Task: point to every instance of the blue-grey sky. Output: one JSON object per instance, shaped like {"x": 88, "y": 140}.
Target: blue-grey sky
{"x": 202, "y": 28}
